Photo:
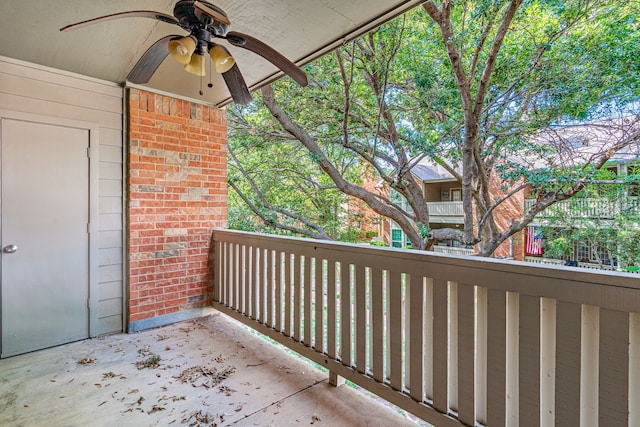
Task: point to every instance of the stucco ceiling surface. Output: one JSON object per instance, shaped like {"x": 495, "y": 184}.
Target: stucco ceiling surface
{"x": 300, "y": 29}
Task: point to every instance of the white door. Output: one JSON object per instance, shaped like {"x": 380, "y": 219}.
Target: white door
{"x": 45, "y": 241}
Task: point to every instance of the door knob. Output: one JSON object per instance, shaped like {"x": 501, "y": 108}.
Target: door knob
{"x": 9, "y": 249}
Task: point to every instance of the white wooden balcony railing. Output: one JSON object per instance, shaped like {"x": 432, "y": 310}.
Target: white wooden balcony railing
{"x": 553, "y": 261}
{"x": 458, "y": 341}
{"x": 452, "y": 251}
{"x": 600, "y": 208}
{"x": 445, "y": 209}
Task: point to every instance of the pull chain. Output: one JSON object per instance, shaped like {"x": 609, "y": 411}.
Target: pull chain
{"x": 210, "y": 85}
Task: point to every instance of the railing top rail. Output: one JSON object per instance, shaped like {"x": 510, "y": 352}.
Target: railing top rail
{"x": 613, "y": 290}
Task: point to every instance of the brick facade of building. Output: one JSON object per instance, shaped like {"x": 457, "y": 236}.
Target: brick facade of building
{"x": 177, "y": 194}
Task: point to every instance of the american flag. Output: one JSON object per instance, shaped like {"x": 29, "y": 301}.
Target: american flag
{"x": 534, "y": 240}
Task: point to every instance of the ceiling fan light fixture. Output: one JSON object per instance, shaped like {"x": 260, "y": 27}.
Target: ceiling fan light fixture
{"x": 182, "y": 49}
{"x": 222, "y": 59}
{"x": 197, "y": 65}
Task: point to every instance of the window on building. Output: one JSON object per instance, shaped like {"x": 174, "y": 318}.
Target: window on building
{"x": 456, "y": 194}
{"x": 396, "y": 238}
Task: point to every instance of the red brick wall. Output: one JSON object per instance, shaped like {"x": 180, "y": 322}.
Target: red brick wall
{"x": 512, "y": 208}
{"x": 177, "y": 194}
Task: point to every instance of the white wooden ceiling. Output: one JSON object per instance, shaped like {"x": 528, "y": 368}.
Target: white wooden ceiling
{"x": 300, "y": 29}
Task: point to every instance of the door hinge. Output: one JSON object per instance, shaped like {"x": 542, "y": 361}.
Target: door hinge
{"x": 89, "y": 152}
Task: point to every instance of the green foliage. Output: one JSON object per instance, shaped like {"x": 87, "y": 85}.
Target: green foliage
{"x": 393, "y": 95}
{"x": 356, "y": 236}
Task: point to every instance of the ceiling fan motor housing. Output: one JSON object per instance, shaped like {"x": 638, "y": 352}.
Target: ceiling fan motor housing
{"x": 185, "y": 12}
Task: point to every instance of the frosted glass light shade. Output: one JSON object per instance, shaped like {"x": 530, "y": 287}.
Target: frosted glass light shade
{"x": 222, "y": 59}
{"x": 181, "y": 49}
{"x": 196, "y": 65}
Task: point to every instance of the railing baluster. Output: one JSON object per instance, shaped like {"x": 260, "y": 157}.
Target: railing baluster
{"x": 296, "y": 293}
{"x": 233, "y": 277}
{"x": 345, "y": 313}
{"x": 377, "y": 324}
{"x": 634, "y": 367}
{"x": 481, "y": 354}
{"x": 416, "y": 348}
{"x": 547, "y": 360}
{"x": 428, "y": 338}
{"x": 568, "y": 345}
{"x": 466, "y": 354}
{"x": 217, "y": 269}
{"x": 256, "y": 277}
{"x": 614, "y": 368}
{"x": 440, "y": 346}
{"x": 529, "y": 371}
{"x": 269, "y": 286}
{"x": 287, "y": 295}
{"x": 246, "y": 303}
{"x": 496, "y": 358}
{"x": 331, "y": 309}
{"x": 590, "y": 337}
{"x": 395, "y": 330}
{"x": 242, "y": 276}
{"x": 453, "y": 346}
{"x": 360, "y": 281}
{"x": 308, "y": 262}
{"x": 319, "y": 298}
{"x": 278, "y": 312}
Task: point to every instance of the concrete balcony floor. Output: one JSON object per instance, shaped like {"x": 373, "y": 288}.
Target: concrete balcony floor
{"x": 211, "y": 372}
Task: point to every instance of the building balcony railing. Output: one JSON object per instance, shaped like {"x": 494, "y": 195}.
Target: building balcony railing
{"x": 446, "y": 212}
{"x": 596, "y": 208}
{"x": 454, "y": 340}
{"x": 452, "y": 251}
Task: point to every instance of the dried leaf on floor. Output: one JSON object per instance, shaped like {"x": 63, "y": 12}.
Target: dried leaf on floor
{"x": 155, "y": 408}
{"x": 111, "y": 374}
{"x": 146, "y": 351}
{"x": 226, "y": 390}
{"x": 314, "y": 419}
{"x": 151, "y": 362}
{"x": 86, "y": 361}
{"x": 211, "y": 377}
{"x": 200, "y": 419}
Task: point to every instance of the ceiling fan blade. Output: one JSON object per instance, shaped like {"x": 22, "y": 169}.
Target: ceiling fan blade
{"x": 237, "y": 86}
{"x": 150, "y": 61}
{"x": 214, "y": 14}
{"x": 132, "y": 14}
{"x": 270, "y": 54}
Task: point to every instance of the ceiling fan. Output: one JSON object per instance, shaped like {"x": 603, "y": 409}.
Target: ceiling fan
{"x": 204, "y": 22}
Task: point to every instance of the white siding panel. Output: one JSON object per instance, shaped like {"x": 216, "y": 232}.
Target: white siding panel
{"x": 54, "y": 109}
{"x": 111, "y": 290}
{"x": 67, "y": 95}
{"x": 110, "y": 273}
{"x": 34, "y": 89}
{"x": 110, "y": 222}
{"x": 110, "y": 239}
{"x": 110, "y": 256}
{"x": 110, "y": 171}
{"x": 110, "y": 205}
{"x": 110, "y": 187}
{"x": 110, "y": 153}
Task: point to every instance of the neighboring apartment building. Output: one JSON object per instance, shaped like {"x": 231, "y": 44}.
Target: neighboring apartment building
{"x": 443, "y": 194}
{"x": 575, "y": 145}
